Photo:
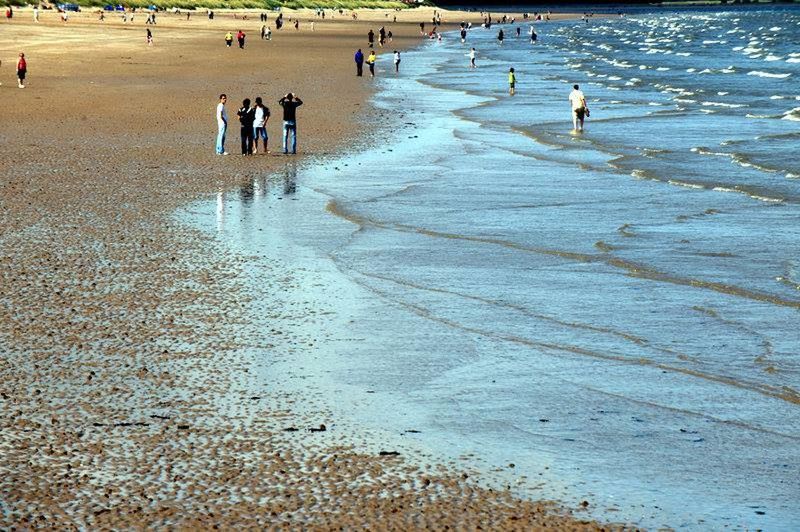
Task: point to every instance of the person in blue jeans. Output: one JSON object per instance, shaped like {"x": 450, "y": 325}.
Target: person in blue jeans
{"x": 290, "y": 103}
{"x": 222, "y": 124}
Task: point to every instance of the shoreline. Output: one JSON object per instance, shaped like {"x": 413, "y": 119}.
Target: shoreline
{"x": 124, "y": 326}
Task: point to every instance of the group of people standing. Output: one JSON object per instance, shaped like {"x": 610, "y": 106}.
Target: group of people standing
{"x": 253, "y": 121}
{"x": 370, "y": 60}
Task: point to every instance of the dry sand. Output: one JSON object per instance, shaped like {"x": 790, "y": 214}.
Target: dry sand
{"x": 126, "y": 396}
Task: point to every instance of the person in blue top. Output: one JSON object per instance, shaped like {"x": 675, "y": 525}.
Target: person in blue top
{"x": 359, "y": 58}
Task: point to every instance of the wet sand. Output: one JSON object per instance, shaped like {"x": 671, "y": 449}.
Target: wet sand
{"x": 126, "y": 380}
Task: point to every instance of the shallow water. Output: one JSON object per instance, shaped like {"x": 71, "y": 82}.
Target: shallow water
{"x": 613, "y": 312}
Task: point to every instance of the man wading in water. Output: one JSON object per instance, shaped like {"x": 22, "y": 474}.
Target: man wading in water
{"x": 579, "y": 107}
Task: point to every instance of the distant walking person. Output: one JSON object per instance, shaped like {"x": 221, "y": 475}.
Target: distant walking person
{"x": 240, "y": 38}
{"x": 263, "y": 32}
{"x": 36, "y": 13}
{"x": 359, "y": 58}
{"x": 290, "y": 103}
{"x": 512, "y": 81}
{"x": 500, "y": 36}
{"x": 397, "y": 62}
{"x": 579, "y": 107}
{"x": 246, "y": 116}
{"x": 371, "y": 63}
{"x": 533, "y": 35}
{"x": 471, "y": 56}
{"x": 149, "y": 37}
{"x": 22, "y": 70}
{"x": 222, "y": 124}
{"x": 371, "y": 38}
{"x": 228, "y": 39}
{"x": 260, "y": 120}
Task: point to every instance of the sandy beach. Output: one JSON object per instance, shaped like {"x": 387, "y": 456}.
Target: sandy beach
{"x": 126, "y": 398}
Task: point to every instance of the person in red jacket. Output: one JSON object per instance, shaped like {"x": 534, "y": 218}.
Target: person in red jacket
{"x": 22, "y": 70}
{"x": 240, "y": 37}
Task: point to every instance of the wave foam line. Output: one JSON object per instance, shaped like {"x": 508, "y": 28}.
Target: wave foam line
{"x": 633, "y": 269}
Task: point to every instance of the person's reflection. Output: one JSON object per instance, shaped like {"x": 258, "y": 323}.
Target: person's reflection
{"x": 290, "y": 179}
{"x": 260, "y": 186}
{"x": 247, "y": 192}
{"x": 220, "y": 210}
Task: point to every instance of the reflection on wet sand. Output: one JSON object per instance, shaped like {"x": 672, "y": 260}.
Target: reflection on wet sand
{"x": 290, "y": 178}
{"x": 220, "y": 210}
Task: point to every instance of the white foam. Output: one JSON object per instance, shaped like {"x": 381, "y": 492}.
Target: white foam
{"x": 763, "y": 74}
{"x": 793, "y": 60}
{"x": 777, "y": 97}
{"x": 684, "y": 184}
{"x": 721, "y": 104}
{"x": 772, "y": 57}
{"x": 793, "y": 115}
{"x": 662, "y": 69}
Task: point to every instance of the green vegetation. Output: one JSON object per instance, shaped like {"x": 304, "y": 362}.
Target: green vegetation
{"x": 234, "y": 4}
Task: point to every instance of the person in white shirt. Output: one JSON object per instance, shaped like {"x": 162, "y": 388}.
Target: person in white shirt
{"x": 36, "y": 13}
{"x": 396, "y": 61}
{"x": 471, "y": 56}
{"x": 260, "y": 125}
{"x": 579, "y": 107}
{"x": 222, "y": 124}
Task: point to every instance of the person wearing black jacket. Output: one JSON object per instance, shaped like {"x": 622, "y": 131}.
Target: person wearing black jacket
{"x": 247, "y": 116}
{"x": 290, "y": 103}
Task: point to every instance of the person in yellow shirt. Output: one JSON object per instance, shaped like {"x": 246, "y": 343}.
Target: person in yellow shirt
{"x": 512, "y": 81}
{"x": 371, "y": 62}
{"x": 228, "y": 39}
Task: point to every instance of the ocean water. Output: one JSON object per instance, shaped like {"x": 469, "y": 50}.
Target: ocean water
{"x": 613, "y": 312}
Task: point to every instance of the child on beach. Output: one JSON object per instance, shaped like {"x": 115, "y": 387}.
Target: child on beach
{"x": 471, "y": 56}
{"x": 149, "y": 37}
{"x": 396, "y": 62}
{"x": 512, "y": 81}
{"x": 22, "y": 70}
